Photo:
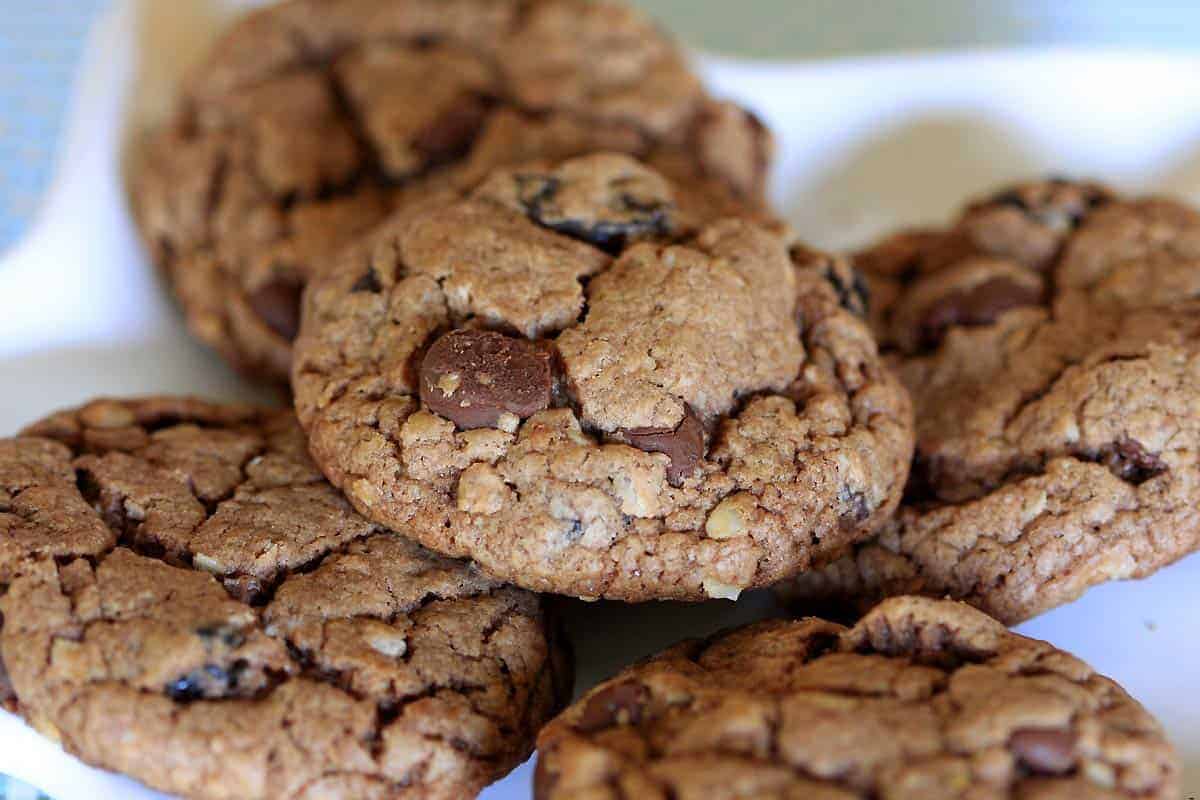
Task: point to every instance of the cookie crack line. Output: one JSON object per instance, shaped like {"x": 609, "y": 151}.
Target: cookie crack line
{"x": 609, "y": 444}
{"x": 753, "y": 710}
{"x": 303, "y": 127}
{"x": 1057, "y": 424}
{"x": 392, "y": 651}
{"x": 301, "y": 658}
{"x": 244, "y": 586}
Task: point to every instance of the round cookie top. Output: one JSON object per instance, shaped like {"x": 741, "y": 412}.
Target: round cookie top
{"x": 1002, "y": 253}
{"x": 1054, "y": 365}
{"x": 189, "y": 602}
{"x": 566, "y": 377}
{"x": 921, "y": 700}
{"x": 311, "y": 119}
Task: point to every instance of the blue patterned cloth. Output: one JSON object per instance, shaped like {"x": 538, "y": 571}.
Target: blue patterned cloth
{"x": 40, "y": 45}
{"x": 13, "y": 789}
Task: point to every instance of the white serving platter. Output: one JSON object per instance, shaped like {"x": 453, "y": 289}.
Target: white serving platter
{"x": 864, "y": 145}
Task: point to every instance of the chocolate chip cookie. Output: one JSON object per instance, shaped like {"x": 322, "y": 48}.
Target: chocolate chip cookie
{"x": 922, "y": 699}
{"x": 574, "y": 378}
{"x": 312, "y": 119}
{"x": 186, "y": 600}
{"x": 1051, "y": 343}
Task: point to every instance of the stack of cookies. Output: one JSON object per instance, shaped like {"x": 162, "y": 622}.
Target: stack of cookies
{"x": 543, "y": 334}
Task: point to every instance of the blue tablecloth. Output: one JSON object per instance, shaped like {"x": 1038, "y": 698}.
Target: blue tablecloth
{"x": 40, "y": 44}
{"x": 11, "y": 789}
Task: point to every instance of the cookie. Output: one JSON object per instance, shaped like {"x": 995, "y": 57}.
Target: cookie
{"x": 923, "y": 699}
{"x": 573, "y": 378}
{"x": 1056, "y": 383}
{"x": 8, "y": 698}
{"x": 187, "y": 601}
{"x": 993, "y": 258}
{"x": 312, "y": 119}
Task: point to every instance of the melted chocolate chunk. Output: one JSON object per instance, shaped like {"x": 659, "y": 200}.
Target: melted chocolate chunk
{"x": 369, "y": 282}
{"x": 451, "y": 134}
{"x": 625, "y": 214}
{"x": 1044, "y": 752}
{"x": 619, "y": 704}
{"x": 979, "y": 305}
{"x": 472, "y": 378}
{"x": 278, "y": 305}
{"x": 684, "y": 445}
{"x": 1129, "y": 461}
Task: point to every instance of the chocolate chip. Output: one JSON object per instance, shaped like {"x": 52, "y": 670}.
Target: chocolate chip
{"x": 474, "y": 377}
{"x": 1129, "y": 461}
{"x": 853, "y": 293}
{"x": 225, "y": 634}
{"x": 246, "y": 588}
{"x": 619, "y": 704}
{"x": 1010, "y": 197}
{"x": 452, "y": 133}
{"x": 1057, "y": 203}
{"x": 609, "y": 224}
{"x": 278, "y": 305}
{"x": 820, "y": 644}
{"x": 185, "y": 689}
{"x": 208, "y": 681}
{"x": 857, "y": 514}
{"x": 369, "y": 282}
{"x": 1045, "y": 752}
{"x": 684, "y": 444}
{"x": 979, "y": 305}
{"x": 921, "y": 489}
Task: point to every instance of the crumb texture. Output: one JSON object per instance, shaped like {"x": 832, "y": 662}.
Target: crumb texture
{"x": 187, "y": 601}
{"x": 922, "y": 699}
{"x": 312, "y": 120}
{"x": 716, "y": 417}
{"x": 1050, "y": 343}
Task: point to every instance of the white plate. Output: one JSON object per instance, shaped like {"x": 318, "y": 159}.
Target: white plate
{"x": 864, "y": 145}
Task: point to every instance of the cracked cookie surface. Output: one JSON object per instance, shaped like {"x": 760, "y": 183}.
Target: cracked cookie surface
{"x": 1056, "y": 400}
{"x": 699, "y": 415}
{"x": 187, "y": 600}
{"x": 922, "y": 699}
{"x": 312, "y": 119}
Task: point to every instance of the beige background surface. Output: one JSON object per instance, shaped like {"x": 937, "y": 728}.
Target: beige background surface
{"x": 817, "y": 28}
